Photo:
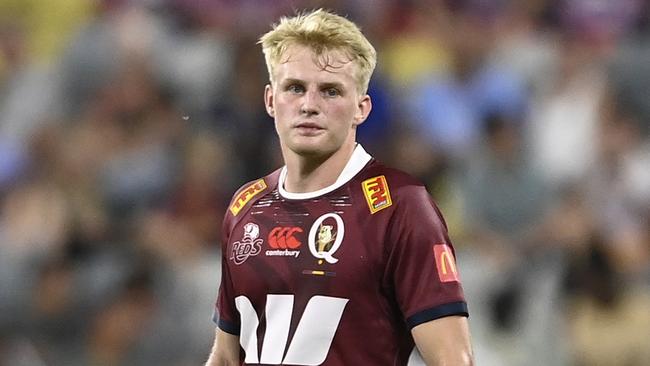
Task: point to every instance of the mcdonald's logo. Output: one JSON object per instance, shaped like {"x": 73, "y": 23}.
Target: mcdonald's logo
{"x": 445, "y": 263}
{"x": 246, "y": 195}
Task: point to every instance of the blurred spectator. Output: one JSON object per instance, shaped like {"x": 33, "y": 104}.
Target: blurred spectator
{"x": 588, "y": 35}
{"x": 630, "y": 76}
{"x": 619, "y": 185}
{"x": 413, "y": 45}
{"x": 505, "y": 196}
{"x": 505, "y": 203}
{"x": 121, "y": 325}
{"x": 449, "y": 108}
{"x": 564, "y": 118}
{"x": 49, "y": 28}
{"x": 139, "y": 172}
{"x": 609, "y": 321}
{"x": 420, "y": 159}
{"x": 26, "y": 94}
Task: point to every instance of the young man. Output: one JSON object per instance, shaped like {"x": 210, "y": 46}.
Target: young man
{"x": 334, "y": 259}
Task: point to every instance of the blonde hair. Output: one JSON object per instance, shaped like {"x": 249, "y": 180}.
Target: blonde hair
{"x": 321, "y": 31}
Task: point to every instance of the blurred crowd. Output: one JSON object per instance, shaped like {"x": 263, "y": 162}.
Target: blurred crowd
{"x": 125, "y": 127}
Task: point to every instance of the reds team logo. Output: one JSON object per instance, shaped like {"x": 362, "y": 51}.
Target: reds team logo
{"x": 249, "y": 246}
{"x": 325, "y": 237}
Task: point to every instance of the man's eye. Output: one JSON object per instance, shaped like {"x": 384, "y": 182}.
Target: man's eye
{"x": 332, "y": 92}
{"x": 295, "y": 88}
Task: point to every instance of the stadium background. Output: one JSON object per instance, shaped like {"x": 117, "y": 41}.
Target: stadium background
{"x": 125, "y": 126}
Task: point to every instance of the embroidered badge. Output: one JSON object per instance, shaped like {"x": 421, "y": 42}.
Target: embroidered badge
{"x": 377, "y": 193}
{"x": 249, "y": 246}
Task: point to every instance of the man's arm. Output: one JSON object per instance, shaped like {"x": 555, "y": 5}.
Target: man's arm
{"x": 225, "y": 351}
{"x": 444, "y": 341}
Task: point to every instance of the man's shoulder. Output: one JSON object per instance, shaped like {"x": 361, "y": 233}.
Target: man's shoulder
{"x": 385, "y": 186}
{"x": 398, "y": 179}
{"x": 400, "y": 194}
{"x": 252, "y": 191}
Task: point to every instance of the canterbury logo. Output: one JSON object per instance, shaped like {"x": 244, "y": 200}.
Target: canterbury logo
{"x": 445, "y": 263}
{"x": 377, "y": 193}
{"x": 283, "y": 238}
{"x": 246, "y": 195}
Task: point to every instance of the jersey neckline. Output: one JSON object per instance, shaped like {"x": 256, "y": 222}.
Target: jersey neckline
{"x": 357, "y": 161}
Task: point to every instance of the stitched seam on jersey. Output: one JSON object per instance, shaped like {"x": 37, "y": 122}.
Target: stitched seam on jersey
{"x": 440, "y": 311}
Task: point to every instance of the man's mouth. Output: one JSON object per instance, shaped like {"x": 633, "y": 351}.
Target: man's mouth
{"x": 309, "y": 128}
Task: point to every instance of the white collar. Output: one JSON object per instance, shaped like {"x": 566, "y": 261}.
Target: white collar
{"x": 357, "y": 161}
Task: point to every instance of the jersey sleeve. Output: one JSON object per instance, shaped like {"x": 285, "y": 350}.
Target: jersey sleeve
{"x": 225, "y": 315}
{"x": 421, "y": 267}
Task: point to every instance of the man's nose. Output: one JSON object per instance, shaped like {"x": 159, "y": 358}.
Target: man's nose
{"x": 310, "y": 103}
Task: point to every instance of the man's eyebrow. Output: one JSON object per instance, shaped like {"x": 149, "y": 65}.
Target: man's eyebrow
{"x": 323, "y": 85}
{"x": 292, "y": 81}
{"x": 331, "y": 84}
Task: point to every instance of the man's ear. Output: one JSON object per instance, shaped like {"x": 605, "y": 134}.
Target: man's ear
{"x": 268, "y": 100}
{"x": 363, "y": 109}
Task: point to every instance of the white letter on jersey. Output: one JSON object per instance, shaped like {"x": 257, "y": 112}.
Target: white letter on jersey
{"x": 315, "y": 332}
{"x": 278, "y": 320}
{"x": 249, "y": 323}
{"x": 313, "y": 337}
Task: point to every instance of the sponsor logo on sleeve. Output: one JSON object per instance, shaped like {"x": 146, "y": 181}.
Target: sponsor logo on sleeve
{"x": 246, "y": 195}
{"x": 283, "y": 241}
{"x": 377, "y": 193}
{"x": 445, "y": 263}
{"x": 249, "y": 246}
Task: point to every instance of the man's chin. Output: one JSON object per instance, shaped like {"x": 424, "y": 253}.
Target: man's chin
{"x": 310, "y": 150}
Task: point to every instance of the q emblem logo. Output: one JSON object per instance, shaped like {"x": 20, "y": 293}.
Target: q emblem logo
{"x": 325, "y": 239}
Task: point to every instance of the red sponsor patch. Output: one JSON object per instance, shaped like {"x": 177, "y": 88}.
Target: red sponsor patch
{"x": 284, "y": 237}
{"x": 246, "y": 195}
{"x": 377, "y": 193}
{"x": 445, "y": 263}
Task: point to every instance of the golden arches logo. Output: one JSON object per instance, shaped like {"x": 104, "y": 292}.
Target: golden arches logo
{"x": 447, "y": 259}
{"x": 445, "y": 263}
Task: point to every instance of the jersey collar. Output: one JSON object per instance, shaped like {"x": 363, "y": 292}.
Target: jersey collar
{"x": 357, "y": 161}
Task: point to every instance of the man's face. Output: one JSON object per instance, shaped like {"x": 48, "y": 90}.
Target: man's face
{"x": 316, "y": 107}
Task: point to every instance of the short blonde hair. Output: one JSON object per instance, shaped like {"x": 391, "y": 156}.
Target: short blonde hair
{"x": 321, "y": 31}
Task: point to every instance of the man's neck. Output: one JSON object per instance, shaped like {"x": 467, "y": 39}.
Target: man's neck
{"x": 312, "y": 173}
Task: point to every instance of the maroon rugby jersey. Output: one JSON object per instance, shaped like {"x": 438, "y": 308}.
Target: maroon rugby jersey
{"x": 338, "y": 276}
